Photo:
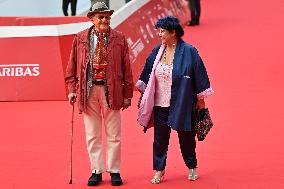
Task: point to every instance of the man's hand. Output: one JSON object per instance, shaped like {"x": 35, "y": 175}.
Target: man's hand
{"x": 126, "y": 104}
{"x": 72, "y": 98}
{"x": 200, "y": 104}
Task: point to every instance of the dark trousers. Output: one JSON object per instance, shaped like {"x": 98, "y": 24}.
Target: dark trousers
{"x": 195, "y": 9}
{"x": 65, "y": 5}
{"x": 161, "y": 141}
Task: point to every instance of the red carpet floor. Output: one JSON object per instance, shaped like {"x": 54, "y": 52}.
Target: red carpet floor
{"x": 241, "y": 43}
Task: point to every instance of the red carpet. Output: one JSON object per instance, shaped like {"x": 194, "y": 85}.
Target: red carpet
{"x": 241, "y": 43}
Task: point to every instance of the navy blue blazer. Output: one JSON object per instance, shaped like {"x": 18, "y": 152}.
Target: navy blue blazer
{"x": 189, "y": 78}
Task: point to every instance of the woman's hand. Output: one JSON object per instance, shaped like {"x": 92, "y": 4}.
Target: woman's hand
{"x": 200, "y": 104}
{"x": 139, "y": 100}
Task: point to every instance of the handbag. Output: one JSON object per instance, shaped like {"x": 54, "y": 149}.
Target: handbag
{"x": 203, "y": 123}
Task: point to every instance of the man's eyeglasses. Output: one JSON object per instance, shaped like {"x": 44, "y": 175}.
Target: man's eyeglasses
{"x": 102, "y": 17}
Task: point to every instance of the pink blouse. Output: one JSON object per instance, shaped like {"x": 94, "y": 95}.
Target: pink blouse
{"x": 163, "y": 77}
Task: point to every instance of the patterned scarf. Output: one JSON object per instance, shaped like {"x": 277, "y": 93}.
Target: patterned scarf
{"x": 100, "y": 55}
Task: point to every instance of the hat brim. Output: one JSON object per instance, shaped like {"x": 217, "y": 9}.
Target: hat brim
{"x": 91, "y": 13}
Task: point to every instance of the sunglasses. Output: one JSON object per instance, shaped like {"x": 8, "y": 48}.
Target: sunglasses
{"x": 104, "y": 17}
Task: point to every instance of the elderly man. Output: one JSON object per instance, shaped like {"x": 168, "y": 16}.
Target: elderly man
{"x": 99, "y": 77}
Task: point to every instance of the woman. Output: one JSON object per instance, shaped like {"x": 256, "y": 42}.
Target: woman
{"x": 173, "y": 85}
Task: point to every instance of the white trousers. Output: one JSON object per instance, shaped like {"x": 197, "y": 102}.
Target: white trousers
{"x": 97, "y": 109}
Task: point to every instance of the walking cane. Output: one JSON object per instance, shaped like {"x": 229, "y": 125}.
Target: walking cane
{"x": 70, "y": 182}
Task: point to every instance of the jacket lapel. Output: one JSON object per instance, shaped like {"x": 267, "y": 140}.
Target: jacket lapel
{"x": 110, "y": 40}
{"x": 177, "y": 60}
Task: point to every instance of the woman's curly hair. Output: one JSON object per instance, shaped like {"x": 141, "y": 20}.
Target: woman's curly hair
{"x": 170, "y": 23}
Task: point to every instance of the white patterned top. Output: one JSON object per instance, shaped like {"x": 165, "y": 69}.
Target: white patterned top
{"x": 163, "y": 76}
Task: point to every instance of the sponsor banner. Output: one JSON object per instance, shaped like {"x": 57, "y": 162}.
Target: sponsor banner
{"x": 34, "y": 57}
{"x": 19, "y": 70}
{"x": 31, "y": 69}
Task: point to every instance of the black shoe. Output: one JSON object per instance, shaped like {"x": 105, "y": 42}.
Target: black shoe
{"x": 193, "y": 23}
{"x": 95, "y": 179}
{"x": 115, "y": 179}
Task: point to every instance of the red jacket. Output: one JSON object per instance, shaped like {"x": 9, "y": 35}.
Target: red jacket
{"x": 118, "y": 72}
